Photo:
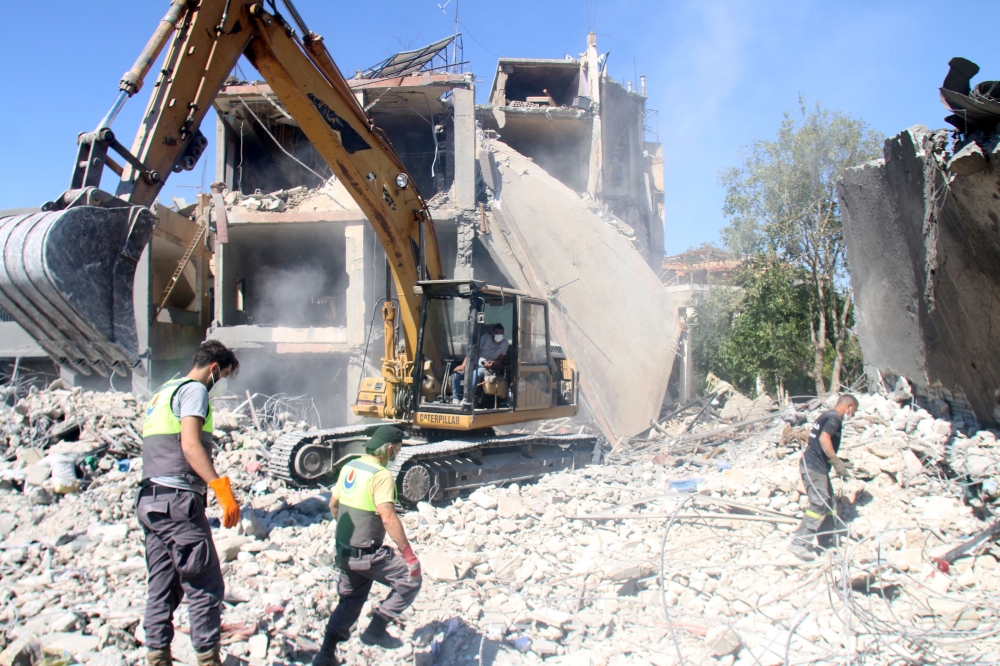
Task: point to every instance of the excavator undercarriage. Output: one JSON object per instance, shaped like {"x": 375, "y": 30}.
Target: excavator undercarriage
{"x": 431, "y": 466}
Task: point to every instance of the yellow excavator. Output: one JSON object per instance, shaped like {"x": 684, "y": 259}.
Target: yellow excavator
{"x": 67, "y": 272}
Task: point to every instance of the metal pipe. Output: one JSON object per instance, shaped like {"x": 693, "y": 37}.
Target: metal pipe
{"x": 422, "y": 268}
{"x": 298, "y": 19}
{"x": 113, "y": 111}
{"x": 132, "y": 79}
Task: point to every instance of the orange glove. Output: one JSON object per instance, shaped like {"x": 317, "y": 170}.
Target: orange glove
{"x": 224, "y": 493}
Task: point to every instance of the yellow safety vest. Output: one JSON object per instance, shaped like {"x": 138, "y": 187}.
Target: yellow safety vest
{"x": 161, "y": 436}
{"x": 358, "y": 522}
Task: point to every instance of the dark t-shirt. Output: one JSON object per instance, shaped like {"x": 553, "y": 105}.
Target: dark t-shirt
{"x": 828, "y": 422}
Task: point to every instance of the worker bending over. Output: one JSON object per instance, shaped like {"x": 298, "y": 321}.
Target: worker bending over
{"x": 363, "y": 502}
{"x": 177, "y": 472}
{"x": 819, "y": 456}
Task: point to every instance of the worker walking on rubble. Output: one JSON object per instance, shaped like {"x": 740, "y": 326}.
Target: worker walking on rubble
{"x": 820, "y": 454}
{"x": 363, "y": 502}
{"x": 177, "y": 472}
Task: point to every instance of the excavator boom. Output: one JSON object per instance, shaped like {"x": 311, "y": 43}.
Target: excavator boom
{"x": 94, "y": 329}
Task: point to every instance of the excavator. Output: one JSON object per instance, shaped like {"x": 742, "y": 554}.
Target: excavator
{"x": 67, "y": 272}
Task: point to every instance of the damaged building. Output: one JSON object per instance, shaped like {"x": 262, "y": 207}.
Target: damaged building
{"x": 298, "y": 281}
{"x": 549, "y": 187}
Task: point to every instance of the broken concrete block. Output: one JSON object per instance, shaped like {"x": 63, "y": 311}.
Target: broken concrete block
{"x": 65, "y": 622}
{"x": 722, "y": 641}
{"x": 229, "y": 548}
{"x": 36, "y": 474}
{"x": 252, "y": 525}
{"x": 38, "y": 496}
{"x": 968, "y": 160}
{"x": 913, "y": 465}
{"x": 551, "y": 617}
{"x": 25, "y": 651}
{"x": 29, "y": 456}
{"x": 483, "y": 500}
{"x": 544, "y": 648}
{"x": 73, "y": 642}
{"x": 258, "y": 646}
{"x": 438, "y": 566}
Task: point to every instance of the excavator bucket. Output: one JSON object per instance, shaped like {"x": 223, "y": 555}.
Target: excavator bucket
{"x": 66, "y": 277}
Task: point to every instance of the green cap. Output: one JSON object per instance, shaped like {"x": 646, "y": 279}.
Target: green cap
{"x": 384, "y": 435}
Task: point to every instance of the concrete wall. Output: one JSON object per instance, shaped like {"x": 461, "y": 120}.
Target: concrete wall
{"x": 924, "y": 256}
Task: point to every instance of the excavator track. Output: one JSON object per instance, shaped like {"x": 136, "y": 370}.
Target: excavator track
{"x": 447, "y": 466}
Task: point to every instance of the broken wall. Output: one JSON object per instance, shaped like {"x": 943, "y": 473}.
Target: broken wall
{"x": 923, "y": 247}
{"x": 609, "y": 310}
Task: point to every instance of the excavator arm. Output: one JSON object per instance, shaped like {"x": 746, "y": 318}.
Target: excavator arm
{"x": 206, "y": 38}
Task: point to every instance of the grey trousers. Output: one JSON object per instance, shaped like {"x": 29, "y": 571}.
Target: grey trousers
{"x": 180, "y": 560}
{"x": 356, "y": 578}
{"x": 821, "y": 516}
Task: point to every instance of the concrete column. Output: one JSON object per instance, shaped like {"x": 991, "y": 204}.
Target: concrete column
{"x": 465, "y": 232}
{"x": 594, "y": 184}
{"x": 220, "y": 152}
{"x": 355, "y": 265}
{"x": 464, "y": 100}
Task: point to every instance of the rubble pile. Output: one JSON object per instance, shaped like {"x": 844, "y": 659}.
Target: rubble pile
{"x": 672, "y": 551}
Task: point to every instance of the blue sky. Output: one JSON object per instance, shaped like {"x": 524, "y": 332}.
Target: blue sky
{"x": 720, "y": 73}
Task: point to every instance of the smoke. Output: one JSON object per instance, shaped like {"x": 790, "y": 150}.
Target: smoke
{"x": 303, "y": 296}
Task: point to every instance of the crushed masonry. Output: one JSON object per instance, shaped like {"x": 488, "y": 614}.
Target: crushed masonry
{"x": 673, "y": 549}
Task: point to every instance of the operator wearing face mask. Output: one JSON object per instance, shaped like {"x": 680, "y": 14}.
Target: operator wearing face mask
{"x": 363, "y": 501}
{"x": 492, "y": 349}
{"x": 177, "y": 472}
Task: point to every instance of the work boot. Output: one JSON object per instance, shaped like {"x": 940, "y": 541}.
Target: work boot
{"x": 159, "y": 657}
{"x": 376, "y": 634}
{"x": 801, "y": 551}
{"x": 327, "y": 655}
{"x": 209, "y": 657}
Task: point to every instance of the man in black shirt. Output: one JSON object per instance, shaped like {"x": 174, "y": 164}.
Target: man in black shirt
{"x": 819, "y": 456}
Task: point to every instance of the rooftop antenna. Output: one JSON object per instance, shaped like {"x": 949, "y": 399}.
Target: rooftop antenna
{"x": 454, "y": 44}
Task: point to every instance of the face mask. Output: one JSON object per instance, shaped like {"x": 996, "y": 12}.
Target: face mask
{"x": 498, "y": 337}
{"x": 218, "y": 387}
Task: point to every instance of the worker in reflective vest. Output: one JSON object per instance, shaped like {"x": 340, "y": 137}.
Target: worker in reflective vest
{"x": 177, "y": 472}
{"x": 363, "y": 501}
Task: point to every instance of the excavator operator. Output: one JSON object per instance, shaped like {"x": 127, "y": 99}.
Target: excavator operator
{"x": 492, "y": 349}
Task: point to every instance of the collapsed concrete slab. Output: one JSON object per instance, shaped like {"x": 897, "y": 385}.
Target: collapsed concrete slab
{"x": 609, "y": 309}
{"x": 923, "y": 246}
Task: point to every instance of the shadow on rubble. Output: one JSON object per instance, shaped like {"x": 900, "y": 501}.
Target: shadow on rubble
{"x": 454, "y": 642}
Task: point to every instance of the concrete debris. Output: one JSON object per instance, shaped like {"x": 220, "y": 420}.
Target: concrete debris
{"x": 921, "y": 234}
{"x": 604, "y": 565}
{"x": 550, "y": 240}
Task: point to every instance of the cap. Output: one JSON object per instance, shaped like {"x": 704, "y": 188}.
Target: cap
{"x": 384, "y": 435}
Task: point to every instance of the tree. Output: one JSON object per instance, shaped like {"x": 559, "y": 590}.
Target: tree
{"x": 783, "y": 201}
{"x": 757, "y": 329}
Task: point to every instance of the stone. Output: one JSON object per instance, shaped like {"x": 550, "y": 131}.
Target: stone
{"x": 37, "y": 474}
{"x": 722, "y": 641}
{"x": 507, "y": 526}
{"x": 229, "y": 548}
{"x": 251, "y": 524}
{"x": 913, "y": 465}
{"x": 258, "y": 645}
{"x": 29, "y": 456}
{"x": 438, "y": 566}
{"x": 38, "y": 496}
{"x": 64, "y": 623}
{"x": 72, "y": 642}
{"x": 509, "y": 506}
{"x": 483, "y": 500}
{"x": 278, "y": 556}
{"x": 551, "y": 617}
{"x": 544, "y": 648}
{"x": 25, "y": 651}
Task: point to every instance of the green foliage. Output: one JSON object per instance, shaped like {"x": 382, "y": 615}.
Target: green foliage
{"x": 758, "y": 329}
{"x": 782, "y": 204}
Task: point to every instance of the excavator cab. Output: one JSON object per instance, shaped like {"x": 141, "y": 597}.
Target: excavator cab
{"x": 533, "y": 380}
